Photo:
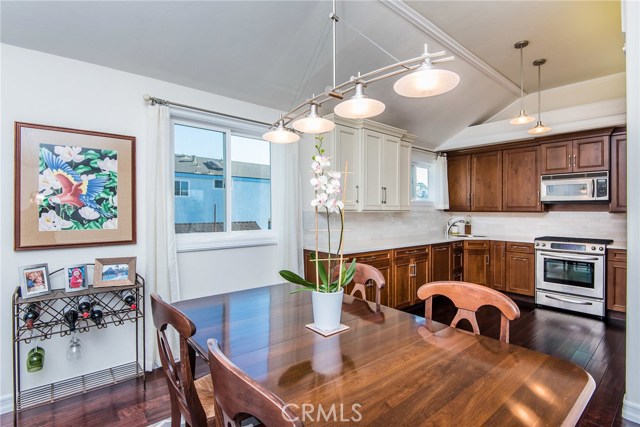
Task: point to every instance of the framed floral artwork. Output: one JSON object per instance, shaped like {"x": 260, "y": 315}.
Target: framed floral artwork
{"x": 73, "y": 188}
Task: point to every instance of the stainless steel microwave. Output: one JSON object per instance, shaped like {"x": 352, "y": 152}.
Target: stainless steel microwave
{"x": 574, "y": 187}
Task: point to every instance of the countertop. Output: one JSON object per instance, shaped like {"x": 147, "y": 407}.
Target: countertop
{"x": 380, "y": 244}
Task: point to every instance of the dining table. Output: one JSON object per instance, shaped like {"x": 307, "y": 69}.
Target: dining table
{"x": 389, "y": 368}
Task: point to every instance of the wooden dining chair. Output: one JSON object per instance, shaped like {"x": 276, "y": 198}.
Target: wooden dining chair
{"x": 243, "y": 396}
{"x": 191, "y": 399}
{"x": 468, "y": 298}
{"x": 365, "y": 276}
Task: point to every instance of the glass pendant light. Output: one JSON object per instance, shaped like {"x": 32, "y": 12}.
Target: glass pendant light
{"x": 539, "y": 128}
{"x": 426, "y": 80}
{"x": 359, "y": 106}
{"x": 313, "y": 122}
{"x": 281, "y": 135}
{"x": 522, "y": 118}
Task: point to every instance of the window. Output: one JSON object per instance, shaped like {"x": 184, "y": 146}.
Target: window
{"x": 419, "y": 182}
{"x": 422, "y": 178}
{"x": 182, "y": 188}
{"x": 227, "y": 175}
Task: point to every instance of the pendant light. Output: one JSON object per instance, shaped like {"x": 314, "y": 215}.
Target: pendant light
{"x": 359, "y": 106}
{"x": 539, "y": 128}
{"x": 427, "y": 80}
{"x": 281, "y": 135}
{"x": 522, "y": 118}
{"x": 313, "y": 122}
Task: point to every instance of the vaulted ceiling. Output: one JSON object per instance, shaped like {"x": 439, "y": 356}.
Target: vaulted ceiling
{"x": 263, "y": 51}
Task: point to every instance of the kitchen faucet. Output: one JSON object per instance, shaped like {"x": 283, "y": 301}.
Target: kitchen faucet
{"x": 451, "y": 223}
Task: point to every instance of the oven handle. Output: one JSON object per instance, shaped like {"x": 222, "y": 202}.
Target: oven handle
{"x": 564, "y": 257}
{"x": 569, "y": 300}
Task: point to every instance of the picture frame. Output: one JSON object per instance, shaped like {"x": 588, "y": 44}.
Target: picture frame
{"x": 76, "y": 277}
{"x": 73, "y": 188}
{"x": 34, "y": 280}
{"x": 114, "y": 272}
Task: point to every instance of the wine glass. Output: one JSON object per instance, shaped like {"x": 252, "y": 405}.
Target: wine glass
{"x": 74, "y": 351}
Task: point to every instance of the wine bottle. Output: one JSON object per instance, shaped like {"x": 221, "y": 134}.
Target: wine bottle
{"x": 32, "y": 314}
{"x": 129, "y": 299}
{"x": 71, "y": 316}
{"x": 96, "y": 314}
{"x": 84, "y": 307}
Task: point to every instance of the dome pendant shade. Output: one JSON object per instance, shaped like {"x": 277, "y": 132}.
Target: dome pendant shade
{"x": 540, "y": 128}
{"x": 281, "y": 135}
{"x": 426, "y": 81}
{"x": 313, "y": 122}
{"x": 522, "y": 119}
{"x": 359, "y": 106}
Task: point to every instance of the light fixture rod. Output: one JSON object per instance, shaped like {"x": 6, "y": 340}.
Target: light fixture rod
{"x": 334, "y": 20}
{"x": 538, "y": 63}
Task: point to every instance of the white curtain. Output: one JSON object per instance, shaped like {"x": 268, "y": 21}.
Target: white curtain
{"x": 287, "y": 210}
{"x": 441, "y": 193}
{"x": 161, "y": 256}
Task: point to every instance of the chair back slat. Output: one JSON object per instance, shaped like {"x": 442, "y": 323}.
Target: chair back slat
{"x": 468, "y": 298}
{"x": 365, "y": 276}
{"x": 243, "y": 396}
{"x": 179, "y": 375}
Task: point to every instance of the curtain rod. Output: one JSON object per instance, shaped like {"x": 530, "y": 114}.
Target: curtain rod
{"x": 154, "y": 100}
{"x": 437, "y": 153}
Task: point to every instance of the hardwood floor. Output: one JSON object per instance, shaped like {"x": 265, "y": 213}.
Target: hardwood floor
{"x": 595, "y": 345}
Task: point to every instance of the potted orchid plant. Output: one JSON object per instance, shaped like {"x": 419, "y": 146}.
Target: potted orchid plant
{"x": 332, "y": 273}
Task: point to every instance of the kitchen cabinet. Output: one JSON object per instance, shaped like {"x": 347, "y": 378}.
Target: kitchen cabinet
{"x": 497, "y": 257}
{"x": 520, "y": 268}
{"x": 476, "y": 262}
{"x": 617, "y": 280}
{"x": 410, "y": 271}
{"x": 457, "y": 249}
{"x": 441, "y": 262}
{"x": 475, "y": 182}
{"x": 521, "y": 180}
{"x": 576, "y": 155}
{"x": 618, "y": 177}
{"x": 379, "y": 164}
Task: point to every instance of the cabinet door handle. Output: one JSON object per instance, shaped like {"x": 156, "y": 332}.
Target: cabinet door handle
{"x": 487, "y": 258}
{"x": 570, "y": 161}
{"x": 412, "y": 269}
{"x": 382, "y": 195}
{"x": 385, "y": 195}
{"x": 358, "y": 193}
{"x": 575, "y": 162}
{"x": 468, "y": 199}
{"x": 538, "y": 198}
{"x": 473, "y": 198}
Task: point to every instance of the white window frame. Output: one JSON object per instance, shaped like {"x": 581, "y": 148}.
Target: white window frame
{"x": 191, "y": 242}
{"x": 180, "y": 189}
{"x": 422, "y": 159}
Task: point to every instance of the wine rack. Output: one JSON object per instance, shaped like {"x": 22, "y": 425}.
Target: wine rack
{"x": 51, "y": 322}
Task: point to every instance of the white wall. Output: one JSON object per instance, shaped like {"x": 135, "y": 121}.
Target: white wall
{"x": 46, "y": 89}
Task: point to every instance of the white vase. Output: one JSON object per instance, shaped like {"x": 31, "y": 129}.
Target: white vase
{"x": 327, "y": 309}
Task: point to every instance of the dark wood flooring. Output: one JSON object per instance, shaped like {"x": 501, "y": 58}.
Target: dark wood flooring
{"x": 597, "y": 346}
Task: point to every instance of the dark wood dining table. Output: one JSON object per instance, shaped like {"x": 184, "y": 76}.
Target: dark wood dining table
{"x": 390, "y": 368}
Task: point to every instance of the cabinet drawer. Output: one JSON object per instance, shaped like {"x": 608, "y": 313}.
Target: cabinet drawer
{"x": 476, "y": 244}
{"x": 457, "y": 246}
{"x": 370, "y": 257}
{"x": 411, "y": 252}
{"x": 525, "y": 248}
{"x": 619, "y": 255}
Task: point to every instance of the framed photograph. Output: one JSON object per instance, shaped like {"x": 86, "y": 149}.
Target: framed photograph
{"x": 34, "y": 280}
{"x": 73, "y": 188}
{"x": 76, "y": 277}
{"x": 114, "y": 272}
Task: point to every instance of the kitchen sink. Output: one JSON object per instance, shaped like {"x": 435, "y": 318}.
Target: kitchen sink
{"x": 466, "y": 235}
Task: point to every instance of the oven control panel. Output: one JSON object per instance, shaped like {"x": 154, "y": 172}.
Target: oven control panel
{"x": 577, "y": 248}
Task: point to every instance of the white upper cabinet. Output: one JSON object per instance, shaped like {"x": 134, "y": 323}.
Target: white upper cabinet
{"x": 378, "y": 160}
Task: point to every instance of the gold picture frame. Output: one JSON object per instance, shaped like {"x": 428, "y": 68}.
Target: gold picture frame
{"x": 114, "y": 272}
{"x": 73, "y": 188}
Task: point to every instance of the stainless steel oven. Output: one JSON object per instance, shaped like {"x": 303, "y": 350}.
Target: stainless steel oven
{"x": 570, "y": 273}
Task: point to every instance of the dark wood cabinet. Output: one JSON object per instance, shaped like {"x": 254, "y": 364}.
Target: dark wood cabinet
{"x": 497, "y": 256}
{"x": 618, "y": 177}
{"x": 486, "y": 182}
{"x": 520, "y": 268}
{"x": 457, "y": 273}
{"x": 521, "y": 180}
{"x": 410, "y": 271}
{"x": 576, "y": 155}
{"x": 458, "y": 172}
{"x": 617, "y": 280}
{"x": 441, "y": 262}
{"x": 476, "y": 262}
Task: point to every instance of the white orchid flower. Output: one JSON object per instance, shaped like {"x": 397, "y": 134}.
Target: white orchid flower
{"x": 334, "y": 174}
{"x": 114, "y": 201}
{"x": 47, "y": 182}
{"x": 50, "y": 221}
{"x": 108, "y": 165}
{"x": 335, "y": 205}
{"x": 316, "y": 167}
{"x": 69, "y": 154}
{"x": 320, "y": 200}
{"x": 88, "y": 213}
{"x": 334, "y": 186}
{"x": 111, "y": 224}
{"x": 319, "y": 183}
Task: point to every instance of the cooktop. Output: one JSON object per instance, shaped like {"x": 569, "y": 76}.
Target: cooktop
{"x": 575, "y": 240}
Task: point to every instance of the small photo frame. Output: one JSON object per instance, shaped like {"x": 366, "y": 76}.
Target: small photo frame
{"x": 114, "y": 272}
{"x": 76, "y": 277}
{"x": 34, "y": 280}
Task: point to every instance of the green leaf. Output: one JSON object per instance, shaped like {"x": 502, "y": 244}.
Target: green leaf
{"x": 91, "y": 154}
{"x": 83, "y": 168}
{"x": 322, "y": 272}
{"x": 292, "y": 277}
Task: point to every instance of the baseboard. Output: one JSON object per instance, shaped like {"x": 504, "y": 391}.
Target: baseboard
{"x": 6, "y": 403}
{"x": 630, "y": 410}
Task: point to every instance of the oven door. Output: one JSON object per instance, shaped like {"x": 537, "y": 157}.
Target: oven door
{"x": 570, "y": 274}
